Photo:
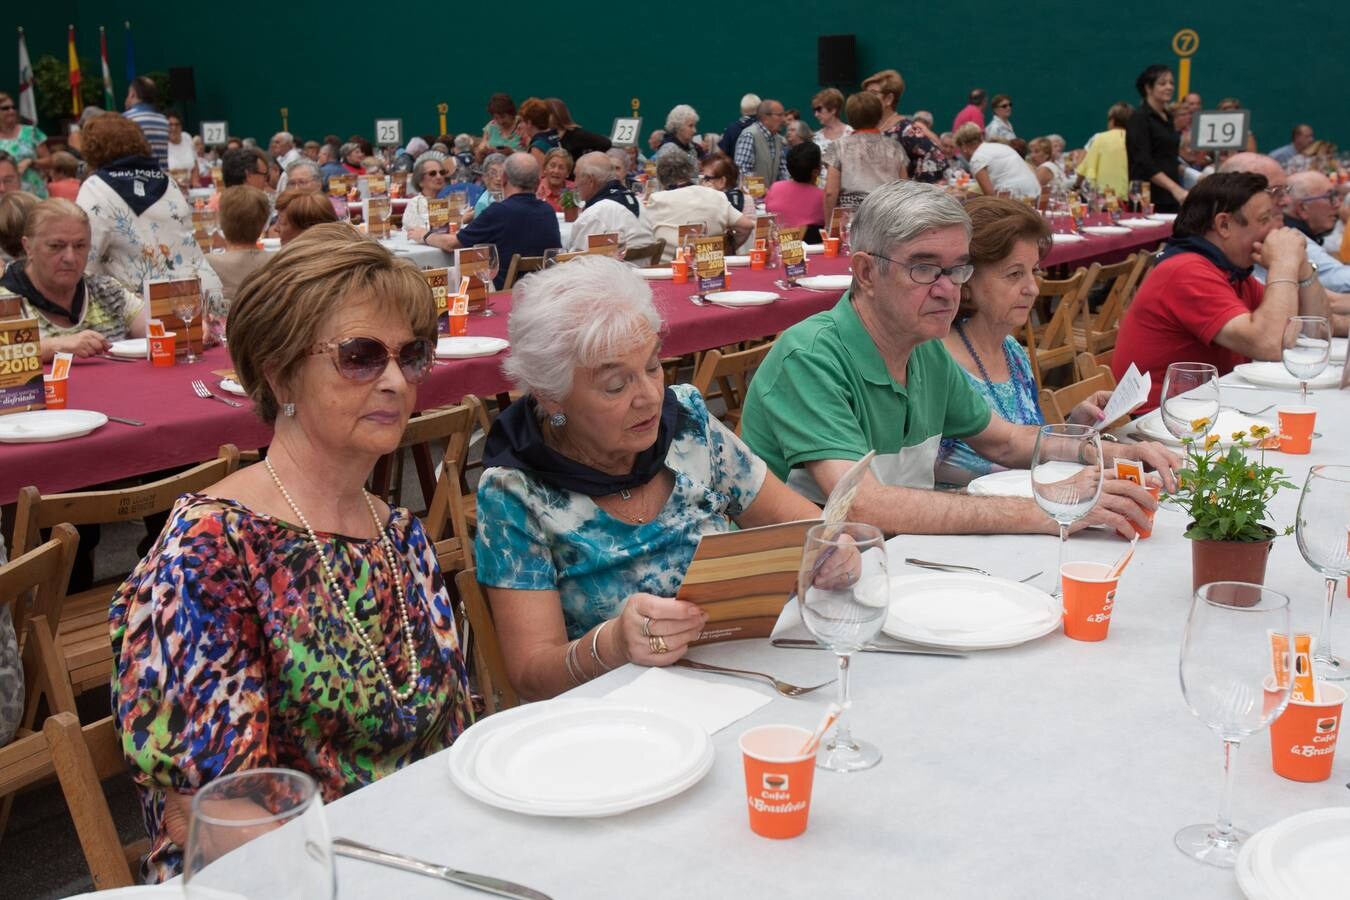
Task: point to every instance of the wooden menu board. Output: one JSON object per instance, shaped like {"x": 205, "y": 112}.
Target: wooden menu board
{"x": 792, "y": 251}
{"x": 161, "y": 295}
{"x": 754, "y": 186}
{"x": 11, "y": 305}
{"x": 764, "y": 228}
{"x": 20, "y": 366}
{"x": 469, "y": 262}
{"x": 438, "y": 216}
{"x": 605, "y": 244}
{"x": 377, "y": 185}
{"x": 379, "y": 212}
{"x": 710, "y": 263}
{"x": 838, "y": 216}
{"x": 439, "y": 282}
{"x": 687, "y": 234}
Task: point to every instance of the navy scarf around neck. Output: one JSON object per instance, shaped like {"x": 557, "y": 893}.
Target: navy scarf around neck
{"x": 516, "y": 441}
{"x": 615, "y": 191}
{"x": 1189, "y": 243}
{"x": 138, "y": 180}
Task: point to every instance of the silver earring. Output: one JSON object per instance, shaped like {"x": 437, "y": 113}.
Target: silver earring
{"x": 288, "y": 409}
{"x": 558, "y": 419}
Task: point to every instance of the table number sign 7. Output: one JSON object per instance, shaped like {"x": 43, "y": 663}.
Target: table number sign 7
{"x": 215, "y": 134}
{"x": 1221, "y": 129}
{"x": 625, "y": 131}
{"x": 389, "y": 132}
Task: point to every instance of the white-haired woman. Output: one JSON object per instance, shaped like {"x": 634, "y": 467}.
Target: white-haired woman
{"x": 430, "y": 173}
{"x": 681, "y": 126}
{"x": 600, "y": 481}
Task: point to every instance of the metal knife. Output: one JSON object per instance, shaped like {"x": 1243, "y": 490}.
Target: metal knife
{"x": 356, "y": 850}
{"x": 124, "y": 421}
{"x": 806, "y": 644}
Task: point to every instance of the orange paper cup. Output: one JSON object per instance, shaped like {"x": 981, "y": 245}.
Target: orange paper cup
{"x": 758, "y": 258}
{"x": 1153, "y": 491}
{"x": 163, "y": 350}
{"x": 54, "y": 392}
{"x": 778, "y": 779}
{"x": 1089, "y": 596}
{"x": 831, "y": 246}
{"x": 1303, "y": 738}
{"x": 459, "y": 325}
{"x": 1296, "y": 428}
{"x": 679, "y": 270}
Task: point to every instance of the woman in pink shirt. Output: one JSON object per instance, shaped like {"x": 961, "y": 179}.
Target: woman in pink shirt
{"x": 799, "y": 201}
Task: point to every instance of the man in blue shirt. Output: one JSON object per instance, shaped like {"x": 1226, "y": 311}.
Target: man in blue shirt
{"x": 521, "y": 223}
{"x": 140, "y": 108}
{"x": 1300, "y": 140}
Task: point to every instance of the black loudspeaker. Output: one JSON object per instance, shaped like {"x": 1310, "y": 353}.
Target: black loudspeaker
{"x": 837, "y": 59}
{"x": 182, "y": 84}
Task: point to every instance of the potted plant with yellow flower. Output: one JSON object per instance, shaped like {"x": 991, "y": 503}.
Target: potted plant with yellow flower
{"x": 1227, "y": 493}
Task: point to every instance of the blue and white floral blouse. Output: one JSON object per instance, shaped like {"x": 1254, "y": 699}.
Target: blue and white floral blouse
{"x": 1015, "y": 400}
{"x": 535, "y": 537}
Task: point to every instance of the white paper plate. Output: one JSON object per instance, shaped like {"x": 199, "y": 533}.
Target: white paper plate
{"x": 814, "y": 249}
{"x": 463, "y": 759}
{"x": 1139, "y": 223}
{"x": 736, "y": 260}
{"x": 1273, "y": 374}
{"x": 468, "y": 347}
{"x": 153, "y": 892}
{"x": 1164, "y": 217}
{"x": 593, "y": 755}
{"x": 741, "y": 298}
{"x": 1306, "y": 856}
{"x": 1251, "y": 886}
{"x": 968, "y": 612}
{"x": 1105, "y": 229}
{"x": 131, "y": 348}
{"x": 49, "y": 425}
{"x": 1014, "y": 482}
{"x": 657, "y": 273}
{"x": 1228, "y": 422}
{"x": 1066, "y": 238}
{"x": 826, "y": 282}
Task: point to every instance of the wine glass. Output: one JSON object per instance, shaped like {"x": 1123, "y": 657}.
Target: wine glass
{"x": 843, "y": 592}
{"x": 1323, "y": 532}
{"x": 1190, "y": 397}
{"x": 551, "y": 257}
{"x": 486, "y": 274}
{"x": 1307, "y": 349}
{"x": 1066, "y": 477}
{"x": 1225, "y": 662}
{"x": 185, "y": 308}
{"x": 278, "y": 813}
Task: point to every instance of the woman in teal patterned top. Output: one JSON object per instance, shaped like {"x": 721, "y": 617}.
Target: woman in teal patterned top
{"x": 600, "y": 482}
{"x": 1007, "y": 242}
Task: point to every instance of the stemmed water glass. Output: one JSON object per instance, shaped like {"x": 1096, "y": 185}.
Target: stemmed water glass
{"x": 1066, "y": 477}
{"x": 278, "y": 813}
{"x": 185, "y": 308}
{"x": 1323, "y": 532}
{"x": 1190, "y": 397}
{"x": 1306, "y": 349}
{"x": 843, "y": 592}
{"x": 1225, "y": 661}
{"x": 551, "y": 257}
{"x": 487, "y": 274}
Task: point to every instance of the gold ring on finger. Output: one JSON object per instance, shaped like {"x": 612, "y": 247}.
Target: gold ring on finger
{"x": 647, "y": 626}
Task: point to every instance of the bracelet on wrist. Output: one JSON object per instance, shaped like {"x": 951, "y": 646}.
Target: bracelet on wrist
{"x": 1271, "y": 281}
{"x": 595, "y": 653}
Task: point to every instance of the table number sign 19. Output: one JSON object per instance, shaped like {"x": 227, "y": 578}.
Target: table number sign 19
{"x": 20, "y": 366}
{"x": 1221, "y": 130}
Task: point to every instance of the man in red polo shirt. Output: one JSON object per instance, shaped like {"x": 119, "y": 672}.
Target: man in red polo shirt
{"x": 1200, "y": 303}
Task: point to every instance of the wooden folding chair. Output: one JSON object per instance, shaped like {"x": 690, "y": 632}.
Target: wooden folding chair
{"x": 731, "y": 372}
{"x": 521, "y": 265}
{"x": 453, "y": 507}
{"x": 83, "y": 758}
{"x": 1052, "y": 346}
{"x": 449, "y": 424}
{"x": 1097, "y": 331}
{"x": 488, "y": 664}
{"x": 82, "y": 629}
{"x": 1057, "y": 404}
{"x": 1086, "y": 365}
{"x": 646, "y": 256}
{"x": 33, "y": 586}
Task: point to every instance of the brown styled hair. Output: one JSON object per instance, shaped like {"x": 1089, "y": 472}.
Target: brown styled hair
{"x": 66, "y": 164}
{"x": 243, "y": 213}
{"x": 719, "y": 165}
{"x": 536, "y": 112}
{"x": 501, "y": 104}
{"x": 863, "y": 110}
{"x": 830, "y": 98}
{"x": 890, "y": 82}
{"x": 276, "y": 317}
{"x": 107, "y": 138}
{"x": 15, "y": 209}
{"x": 1223, "y": 192}
{"x": 997, "y": 224}
{"x": 305, "y": 209}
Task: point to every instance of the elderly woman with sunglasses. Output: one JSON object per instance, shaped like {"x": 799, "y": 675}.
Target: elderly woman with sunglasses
{"x": 429, "y": 175}
{"x": 285, "y": 617}
{"x": 599, "y": 483}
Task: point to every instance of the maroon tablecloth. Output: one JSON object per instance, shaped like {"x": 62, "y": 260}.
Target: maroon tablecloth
{"x": 181, "y": 428}
{"x": 1109, "y": 248}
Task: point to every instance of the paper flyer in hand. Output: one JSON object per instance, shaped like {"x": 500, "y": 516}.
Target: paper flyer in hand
{"x": 20, "y": 366}
{"x": 744, "y": 578}
{"x": 1132, "y": 390}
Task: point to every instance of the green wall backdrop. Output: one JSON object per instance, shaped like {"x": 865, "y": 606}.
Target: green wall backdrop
{"x": 337, "y": 65}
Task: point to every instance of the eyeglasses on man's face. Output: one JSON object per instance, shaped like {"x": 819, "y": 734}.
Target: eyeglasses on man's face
{"x": 929, "y": 273}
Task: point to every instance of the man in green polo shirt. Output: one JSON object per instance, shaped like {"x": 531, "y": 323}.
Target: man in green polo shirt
{"x": 873, "y": 374}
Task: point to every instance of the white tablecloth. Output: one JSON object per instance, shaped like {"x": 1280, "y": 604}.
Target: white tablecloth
{"x": 1055, "y": 769}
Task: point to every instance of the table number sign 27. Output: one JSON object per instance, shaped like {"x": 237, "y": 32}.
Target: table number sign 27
{"x": 20, "y": 366}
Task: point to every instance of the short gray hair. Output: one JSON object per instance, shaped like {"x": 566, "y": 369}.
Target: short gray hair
{"x": 675, "y": 168}
{"x": 900, "y": 211}
{"x": 596, "y": 166}
{"x": 681, "y": 115}
{"x": 575, "y": 315}
{"x": 419, "y": 168}
{"x": 305, "y": 163}
{"x": 749, "y": 104}
{"x": 802, "y": 129}
{"x": 619, "y": 157}
{"x": 346, "y": 150}
{"x": 1303, "y": 185}
{"x": 463, "y": 143}
{"x": 286, "y": 136}
{"x": 766, "y": 106}
{"x": 522, "y": 171}
{"x": 925, "y": 117}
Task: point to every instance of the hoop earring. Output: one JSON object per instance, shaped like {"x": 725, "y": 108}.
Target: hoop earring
{"x": 558, "y": 419}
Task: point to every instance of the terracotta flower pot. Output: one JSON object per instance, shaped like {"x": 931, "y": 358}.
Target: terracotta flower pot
{"x": 1230, "y": 560}
{"x": 570, "y": 213}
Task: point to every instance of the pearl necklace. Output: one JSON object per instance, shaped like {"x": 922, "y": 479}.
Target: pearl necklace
{"x": 409, "y": 652}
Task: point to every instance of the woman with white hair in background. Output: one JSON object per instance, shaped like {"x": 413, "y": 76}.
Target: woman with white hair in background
{"x": 429, "y": 175}
{"x": 494, "y": 182}
{"x": 600, "y": 481}
{"x": 681, "y": 126}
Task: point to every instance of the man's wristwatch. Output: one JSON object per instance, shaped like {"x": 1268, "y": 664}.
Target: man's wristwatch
{"x": 1307, "y": 282}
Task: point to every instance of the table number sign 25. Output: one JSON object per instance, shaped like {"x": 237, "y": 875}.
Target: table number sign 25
{"x": 389, "y": 132}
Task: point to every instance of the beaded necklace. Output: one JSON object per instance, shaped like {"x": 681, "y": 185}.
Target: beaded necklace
{"x": 401, "y": 695}
{"x": 1020, "y": 386}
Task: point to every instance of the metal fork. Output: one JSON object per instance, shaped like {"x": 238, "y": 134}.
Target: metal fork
{"x": 199, "y": 387}
{"x": 1251, "y": 412}
{"x": 782, "y": 687}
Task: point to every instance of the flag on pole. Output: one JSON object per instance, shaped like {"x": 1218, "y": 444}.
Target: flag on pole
{"x": 75, "y": 105}
{"x": 109, "y": 101}
{"x": 131, "y": 55}
{"x": 27, "y": 99}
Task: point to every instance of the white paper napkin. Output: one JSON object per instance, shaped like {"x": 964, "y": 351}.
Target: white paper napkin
{"x": 713, "y": 706}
